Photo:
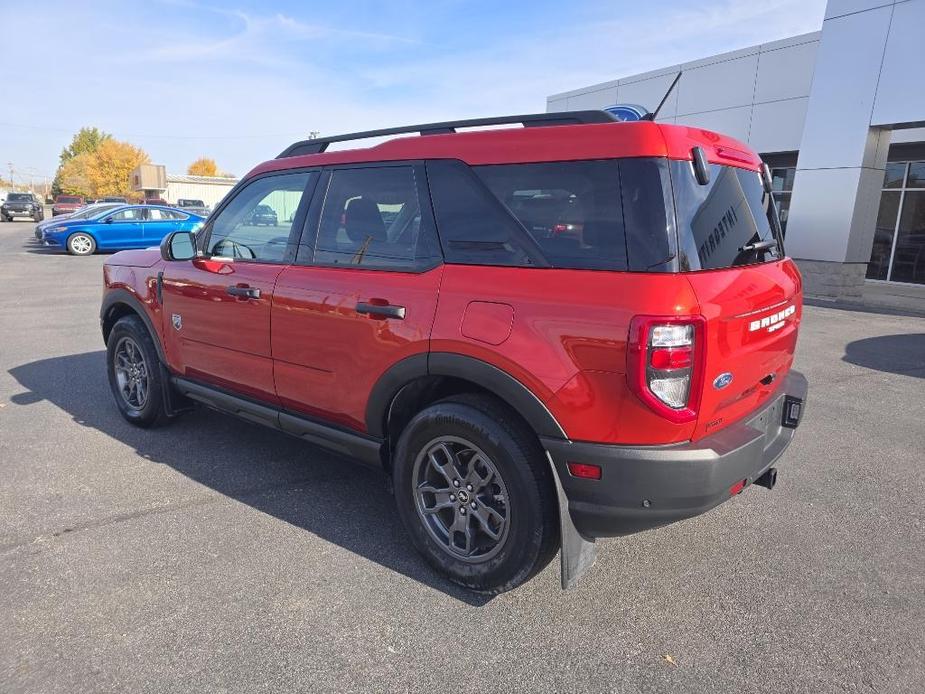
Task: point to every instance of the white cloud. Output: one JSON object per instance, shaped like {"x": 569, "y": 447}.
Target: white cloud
{"x": 248, "y": 83}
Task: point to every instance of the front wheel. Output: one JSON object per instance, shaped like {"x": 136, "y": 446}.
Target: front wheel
{"x": 475, "y": 493}
{"x": 134, "y": 373}
{"x": 81, "y": 244}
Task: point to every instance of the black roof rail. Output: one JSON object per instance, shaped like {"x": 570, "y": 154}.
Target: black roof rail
{"x": 318, "y": 145}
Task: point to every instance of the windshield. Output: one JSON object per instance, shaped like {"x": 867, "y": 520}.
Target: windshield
{"x": 729, "y": 221}
{"x": 19, "y": 197}
{"x": 190, "y": 203}
{"x": 68, "y": 199}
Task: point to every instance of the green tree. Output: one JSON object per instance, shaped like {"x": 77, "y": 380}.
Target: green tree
{"x": 85, "y": 141}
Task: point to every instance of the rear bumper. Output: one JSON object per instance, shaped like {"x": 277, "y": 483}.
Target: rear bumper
{"x": 643, "y": 487}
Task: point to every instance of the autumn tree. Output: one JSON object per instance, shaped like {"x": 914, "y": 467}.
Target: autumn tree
{"x": 203, "y": 167}
{"x": 106, "y": 170}
{"x": 112, "y": 166}
{"x": 73, "y": 176}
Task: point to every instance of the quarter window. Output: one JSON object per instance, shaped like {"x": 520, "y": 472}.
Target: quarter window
{"x": 257, "y": 223}
{"x": 372, "y": 217}
{"x": 596, "y": 215}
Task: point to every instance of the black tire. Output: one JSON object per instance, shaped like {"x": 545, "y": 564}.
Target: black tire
{"x": 85, "y": 244}
{"x": 149, "y": 410}
{"x": 530, "y": 530}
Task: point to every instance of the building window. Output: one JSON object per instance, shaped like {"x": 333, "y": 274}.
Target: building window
{"x": 898, "y": 253}
{"x": 782, "y": 187}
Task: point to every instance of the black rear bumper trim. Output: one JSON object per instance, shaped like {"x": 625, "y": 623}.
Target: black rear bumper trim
{"x": 644, "y": 487}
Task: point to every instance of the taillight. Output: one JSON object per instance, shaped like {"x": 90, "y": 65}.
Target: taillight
{"x": 665, "y": 364}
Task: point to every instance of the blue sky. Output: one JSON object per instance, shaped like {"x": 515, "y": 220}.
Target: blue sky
{"x": 240, "y": 81}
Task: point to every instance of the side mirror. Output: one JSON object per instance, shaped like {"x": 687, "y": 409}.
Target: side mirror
{"x": 178, "y": 245}
{"x": 108, "y": 220}
{"x": 701, "y": 165}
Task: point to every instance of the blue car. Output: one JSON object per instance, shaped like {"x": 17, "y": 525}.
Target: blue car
{"x": 128, "y": 226}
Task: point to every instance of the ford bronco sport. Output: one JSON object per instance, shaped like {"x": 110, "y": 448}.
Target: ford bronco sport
{"x": 543, "y": 335}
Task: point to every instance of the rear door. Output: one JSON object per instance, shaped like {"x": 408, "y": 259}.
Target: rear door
{"x": 751, "y": 299}
{"x": 362, "y": 293}
{"x": 217, "y": 308}
{"x": 159, "y": 222}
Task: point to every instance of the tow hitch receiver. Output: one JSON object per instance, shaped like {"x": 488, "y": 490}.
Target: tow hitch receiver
{"x": 793, "y": 410}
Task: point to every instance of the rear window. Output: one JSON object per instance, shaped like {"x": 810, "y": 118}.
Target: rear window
{"x": 596, "y": 215}
{"x": 68, "y": 199}
{"x": 719, "y": 223}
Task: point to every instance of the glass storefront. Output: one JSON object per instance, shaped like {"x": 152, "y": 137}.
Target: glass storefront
{"x": 782, "y": 186}
{"x": 898, "y": 253}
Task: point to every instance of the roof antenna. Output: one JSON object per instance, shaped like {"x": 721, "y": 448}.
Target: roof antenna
{"x": 652, "y": 116}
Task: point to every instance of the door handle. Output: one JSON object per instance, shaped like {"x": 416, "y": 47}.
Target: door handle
{"x": 383, "y": 310}
{"x": 244, "y": 292}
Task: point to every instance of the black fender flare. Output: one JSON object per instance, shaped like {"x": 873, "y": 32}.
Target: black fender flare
{"x": 476, "y": 371}
{"x": 123, "y": 296}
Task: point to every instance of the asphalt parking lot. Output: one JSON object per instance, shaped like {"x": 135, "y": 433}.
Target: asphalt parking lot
{"x": 214, "y": 555}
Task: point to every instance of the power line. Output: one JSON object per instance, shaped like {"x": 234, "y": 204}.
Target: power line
{"x": 163, "y": 137}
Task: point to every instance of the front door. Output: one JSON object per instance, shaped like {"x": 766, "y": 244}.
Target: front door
{"x": 217, "y": 307}
{"x": 362, "y": 293}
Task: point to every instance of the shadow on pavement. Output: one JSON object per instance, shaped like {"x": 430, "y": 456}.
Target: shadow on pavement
{"x": 339, "y": 501}
{"x": 898, "y": 354}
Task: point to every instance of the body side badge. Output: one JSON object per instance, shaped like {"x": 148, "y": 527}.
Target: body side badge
{"x": 177, "y": 321}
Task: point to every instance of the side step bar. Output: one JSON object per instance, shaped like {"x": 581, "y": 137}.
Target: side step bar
{"x": 364, "y": 448}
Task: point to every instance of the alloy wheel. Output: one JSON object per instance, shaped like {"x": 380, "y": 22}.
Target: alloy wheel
{"x": 81, "y": 244}
{"x": 461, "y": 499}
{"x": 131, "y": 372}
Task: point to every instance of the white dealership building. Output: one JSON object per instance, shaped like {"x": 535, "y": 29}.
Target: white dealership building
{"x": 839, "y": 116}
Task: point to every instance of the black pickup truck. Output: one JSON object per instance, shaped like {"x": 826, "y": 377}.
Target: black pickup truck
{"x": 22, "y": 205}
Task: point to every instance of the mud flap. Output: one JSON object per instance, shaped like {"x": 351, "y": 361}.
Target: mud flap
{"x": 577, "y": 553}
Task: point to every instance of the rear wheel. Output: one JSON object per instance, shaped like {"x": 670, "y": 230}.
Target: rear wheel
{"x": 81, "y": 244}
{"x": 135, "y": 373}
{"x": 475, "y": 493}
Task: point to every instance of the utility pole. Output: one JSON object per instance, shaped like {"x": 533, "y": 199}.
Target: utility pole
{"x": 10, "y": 164}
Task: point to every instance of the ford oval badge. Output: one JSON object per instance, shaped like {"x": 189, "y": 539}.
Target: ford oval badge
{"x": 723, "y": 380}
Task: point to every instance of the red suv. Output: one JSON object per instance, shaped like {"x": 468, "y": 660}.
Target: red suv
{"x": 66, "y": 204}
{"x": 543, "y": 335}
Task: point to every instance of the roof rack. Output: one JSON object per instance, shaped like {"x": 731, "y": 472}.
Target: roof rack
{"x": 320, "y": 144}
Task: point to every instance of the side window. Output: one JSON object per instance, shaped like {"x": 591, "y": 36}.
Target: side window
{"x": 132, "y": 214}
{"x": 372, "y": 217}
{"x": 572, "y": 210}
{"x": 158, "y": 215}
{"x": 257, "y": 223}
{"x": 474, "y": 229}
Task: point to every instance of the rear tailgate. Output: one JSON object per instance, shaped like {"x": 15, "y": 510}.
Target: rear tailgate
{"x": 752, "y": 315}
